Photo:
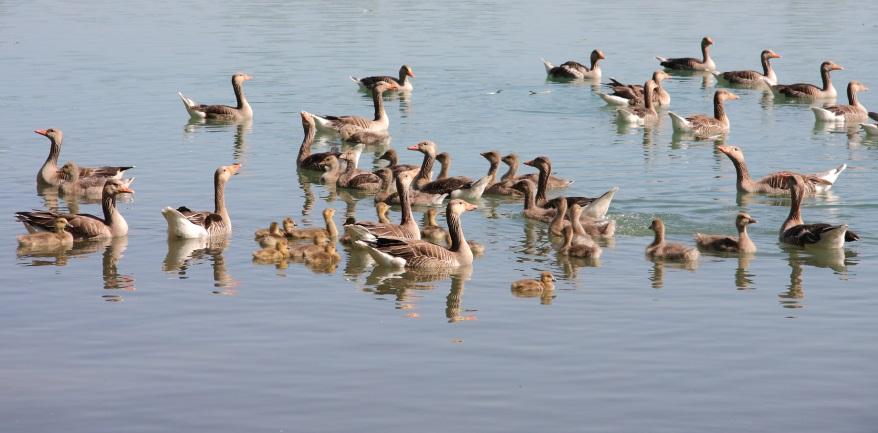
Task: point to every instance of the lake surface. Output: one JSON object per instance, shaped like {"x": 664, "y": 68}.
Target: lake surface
{"x": 139, "y": 335}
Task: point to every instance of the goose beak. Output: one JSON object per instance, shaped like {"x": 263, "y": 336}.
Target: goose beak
{"x": 235, "y": 168}
{"x": 470, "y": 206}
{"x": 752, "y": 220}
{"x": 247, "y": 77}
{"x": 530, "y": 163}
{"x": 836, "y": 67}
{"x": 126, "y": 190}
{"x": 415, "y": 147}
{"x": 43, "y": 132}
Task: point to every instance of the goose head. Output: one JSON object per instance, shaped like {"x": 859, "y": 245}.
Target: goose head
{"x": 510, "y": 160}
{"x": 546, "y": 277}
{"x": 406, "y": 176}
{"x": 492, "y": 156}
{"x": 382, "y": 86}
{"x": 70, "y": 171}
{"x": 426, "y": 147}
{"x": 829, "y": 66}
{"x": 659, "y": 76}
{"x": 733, "y": 152}
{"x": 329, "y": 162}
{"x": 381, "y": 208}
{"x": 307, "y": 120}
{"x": 225, "y": 172}
{"x": 525, "y": 186}
{"x": 389, "y": 156}
{"x": 53, "y": 134}
{"x": 743, "y": 219}
{"x": 328, "y": 213}
{"x": 443, "y": 158}
{"x": 725, "y": 95}
{"x": 856, "y": 86}
{"x": 116, "y": 186}
{"x": 706, "y": 42}
{"x": 540, "y": 163}
{"x": 60, "y": 225}
{"x": 596, "y": 55}
{"x": 405, "y": 70}
{"x": 658, "y": 226}
{"x": 289, "y": 225}
{"x": 240, "y": 77}
{"x": 768, "y": 54}
{"x": 458, "y": 206}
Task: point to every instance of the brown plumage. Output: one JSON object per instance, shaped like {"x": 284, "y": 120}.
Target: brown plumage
{"x": 303, "y": 251}
{"x": 728, "y": 244}
{"x": 213, "y": 223}
{"x": 306, "y": 159}
{"x": 546, "y": 282}
{"x": 810, "y": 91}
{"x": 660, "y": 249}
{"x": 240, "y": 111}
{"x": 531, "y": 210}
{"x": 401, "y": 83}
{"x": 579, "y": 249}
{"x": 273, "y": 236}
{"x": 596, "y": 207}
{"x": 512, "y": 162}
{"x": 392, "y": 158}
{"x": 794, "y": 231}
{"x": 634, "y": 92}
{"x": 753, "y": 78}
{"x": 49, "y": 173}
{"x": 59, "y": 238}
{"x": 702, "y": 125}
{"x": 84, "y": 226}
{"x": 330, "y": 230}
{"x": 378, "y": 123}
{"x": 587, "y": 227}
{"x": 854, "y": 111}
{"x": 575, "y": 70}
{"x": 425, "y": 174}
{"x": 352, "y": 178}
{"x": 776, "y": 183}
{"x": 407, "y": 228}
{"x": 690, "y": 63}
{"x": 272, "y": 254}
{"x": 503, "y": 187}
{"x": 74, "y": 184}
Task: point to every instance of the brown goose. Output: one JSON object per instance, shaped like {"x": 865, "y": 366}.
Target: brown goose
{"x": 444, "y": 160}
{"x": 331, "y": 166}
{"x": 352, "y": 178}
{"x": 641, "y": 115}
{"x": 559, "y": 220}
{"x": 49, "y": 175}
{"x": 272, "y": 254}
{"x": 632, "y": 94}
{"x": 73, "y": 184}
{"x": 691, "y": 64}
{"x": 273, "y": 236}
{"x": 388, "y": 194}
{"x": 420, "y": 254}
{"x": 455, "y": 186}
{"x": 703, "y": 126}
{"x": 794, "y": 231}
{"x": 402, "y": 83}
{"x": 84, "y": 226}
{"x": 302, "y": 251}
{"x": 545, "y": 283}
{"x": 425, "y": 175}
{"x": 753, "y": 78}
{"x": 511, "y": 161}
{"x": 503, "y": 187}
{"x": 728, "y": 244}
{"x": 593, "y": 207}
{"x": 185, "y": 223}
{"x": 587, "y": 227}
{"x": 379, "y": 123}
{"x": 393, "y": 161}
{"x": 329, "y": 230}
{"x": 386, "y": 185}
{"x": 776, "y": 183}
{"x": 241, "y": 111}
{"x": 575, "y": 70}
{"x": 531, "y": 210}
{"x": 407, "y": 227}
{"x": 810, "y": 91}
{"x": 59, "y": 238}
{"x": 590, "y": 250}
{"x": 431, "y": 231}
{"x": 853, "y": 112}
{"x": 306, "y": 159}
{"x": 659, "y": 249}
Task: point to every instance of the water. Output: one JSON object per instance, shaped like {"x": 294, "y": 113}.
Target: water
{"x": 209, "y": 341}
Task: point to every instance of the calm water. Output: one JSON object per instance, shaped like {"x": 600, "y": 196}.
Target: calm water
{"x": 205, "y": 340}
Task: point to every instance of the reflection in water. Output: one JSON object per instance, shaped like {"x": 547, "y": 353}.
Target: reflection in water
{"x": 183, "y": 253}
{"x": 747, "y": 199}
{"x": 242, "y": 129}
{"x": 743, "y": 279}
{"x": 657, "y": 273}
{"x": 113, "y": 280}
{"x": 401, "y": 284}
{"x": 836, "y": 259}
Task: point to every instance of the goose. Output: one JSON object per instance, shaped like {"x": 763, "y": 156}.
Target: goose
{"x": 352, "y": 178}
{"x": 272, "y": 254}
{"x": 587, "y": 227}
{"x": 273, "y": 236}
{"x": 85, "y": 226}
{"x": 387, "y": 192}
{"x": 632, "y": 94}
{"x": 386, "y": 186}
{"x": 380, "y": 123}
{"x": 407, "y": 227}
{"x": 456, "y": 186}
{"x": 794, "y": 231}
{"x": 355, "y": 134}
{"x": 559, "y": 221}
{"x": 593, "y": 207}
{"x": 503, "y": 187}
{"x": 302, "y": 251}
{"x": 188, "y": 224}
{"x": 659, "y": 249}
{"x": 570, "y": 249}
{"x": 775, "y": 183}
{"x": 512, "y": 160}
{"x": 854, "y": 112}
{"x": 703, "y": 126}
{"x": 241, "y": 111}
{"x": 810, "y": 91}
{"x": 330, "y": 230}
{"x": 870, "y": 128}
{"x": 728, "y": 244}
{"x": 689, "y": 63}
{"x": 49, "y": 174}
{"x": 444, "y": 160}
{"x": 401, "y": 84}
{"x": 420, "y": 254}
{"x": 59, "y": 238}
{"x": 641, "y": 115}
{"x": 431, "y": 231}
{"x": 321, "y": 259}
{"x": 287, "y": 226}
{"x": 545, "y": 283}
{"x": 381, "y": 209}
{"x": 392, "y": 159}
{"x": 575, "y": 70}
{"x": 306, "y": 159}
{"x": 425, "y": 175}
{"x": 332, "y": 166}
{"x": 531, "y": 210}
{"x": 73, "y": 184}
{"x": 752, "y": 78}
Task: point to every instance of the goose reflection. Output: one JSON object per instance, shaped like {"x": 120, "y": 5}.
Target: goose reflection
{"x": 403, "y": 285}
{"x": 113, "y": 279}
{"x": 747, "y": 199}
{"x": 242, "y": 129}
{"x": 656, "y": 275}
{"x": 836, "y": 259}
{"x": 184, "y": 253}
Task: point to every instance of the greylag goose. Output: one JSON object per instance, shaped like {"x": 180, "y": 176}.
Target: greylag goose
{"x": 559, "y": 220}
{"x": 73, "y": 184}
{"x": 575, "y": 70}
{"x": 455, "y": 186}
{"x": 545, "y": 283}
{"x": 425, "y": 175}
{"x": 504, "y": 187}
{"x": 407, "y": 227}
{"x": 59, "y": 238}
{"x": 355, "y": 134}
{"x": 378, "y": 124}
{"x": 853, "y": 112}
{"x": 241, "y": 111}
{"x": 810, "y": 91}
{"x": 511, "y": 161}
{"x": 49, "y": 175}
{"x": 402, "y": 83}
{"x": 659, "y": 249}
{"x": 355, "y": 179}
{"x": 392, "y": 159}
{"x": 593, "y": 207}
{"x": 420, "y": 254}
{"x": 752, "y": 78}
{"x": 302, "y": 251}
{"x": 273, "y": 236}
{"x": 702, "y": 125}
{"x": 381, "y": 209}
{"x": 431, "y": 231}
{"x": 690, "y": 63}
{"x": 632, "y": 94}
{"x": 641, "y": 115}
{"x": 776, "y": 183}
{"x": 587, "y": 227}
{"x": 188, "y": 224}
{"x": 531, "y": 210}
{"x": 386, "y": 186}
{"x": 330, "y": 230}
{"x": 728, "y": 244}
{"x": 444, "y": 160}
{"x": 331, "y": 166}
{"x": 321, "y": 259}
{"x": 272, "y": 254}
{"x": 287, "y": 226}
{"x": 85, "y": 226}
{"x": 871, "y": 129}
{"x": 591, "y": 250}
{"x": 794, "y": 231}
{"x": 306, "y": 159}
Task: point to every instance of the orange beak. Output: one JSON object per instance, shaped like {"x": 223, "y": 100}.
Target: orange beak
{"x": 235, "y": 168}
{"x": 412, "y": 147}
{"x": 43, "y": 132}
{"x": 247, "y": 77}
{"x": 411, "y": 74}
{"x": 126, "y": 190}
{"x": 470, "y": 206}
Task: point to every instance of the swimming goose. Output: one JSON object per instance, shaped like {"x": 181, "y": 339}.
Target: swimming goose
{"x": 402, "y": 84}
{"x": 352, "y": 178}
{"x": 632, "y": 94}
{"x": 728, "y": 244}
{"x": 575, "y": 70}
{"x": 329, "y": 230}
{"x": 853, "y": 112}
{"x": 381, "y": 209}
{"x": 586, "y": 227}
{"x": 570, "y": 249}
{"x": 444, "y": 160}
{"x": 49, "y": 175}
{"x": 456, "y": 186}
{"x": 752, "y": 78}
{"x": 392, "y": 158}
{"x": 531, "y": 210}
{"x": 420, "y": 254}
{"x": 273, "y": 236}
{"x": 241, "y": 111}
{"x": 794, "y": 231}
{"x": 544, "y": 284}
{"x": 511, "y": 160}
{"x": 73, "y": 184}
{"x": 272, "y": 254}
{"x": 503, "y": 187}
{"x": 593, "y": 207}
{"x": 386, "y": 186}
{"x": 776, "y": 183}
{"x": 188, "y": 224}
{"x": 425, "y": 175}
{"x": 559, "y": 220}
{"x": 59, "y": 238}
{"x": 659, "y": 249}
{"x": 871, "y": 129}
{"x": 321, "y": 259}
{"x": 85, "y": 226}
{"x": 641, "y": 115}
{"x": 431, "y": 231}
{"x": 306, "y": 159}
{"x": 407, "y": 227}
{"x": 302, "y": 251}
{"x": 689, "y": 63}
{"x": 379, "y": 123}
{"x": 703, "y": 126}
{"x": 810, "y": 91}
{"x": 388, "y": 194}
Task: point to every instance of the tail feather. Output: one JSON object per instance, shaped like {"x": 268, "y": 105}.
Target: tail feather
{"x": 870, "y": 129}
{"x": 359, "y": 233}
{"x": 356, "y": 80}
{"x": 832, "y": 175}
{"x": 601, "y": 205}
{"x": 824, "y": 115}
{"x": 548, "y": 65}
{"x": 179, "y": 226}
{"x": 190, "y": 106}
{"x": 661, "y": 59}
{"x": 613, "y": 99}
{"x": 628, "y": 117}
{"x": 679, "y": 123}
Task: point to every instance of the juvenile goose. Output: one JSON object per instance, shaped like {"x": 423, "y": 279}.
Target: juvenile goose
{"x": 401, "y": 84}
{"x": 352, "y": 178}
{"x": 659, "y": 249}
{"x": 306, "y": 159}
{"x": 853, "y": 112}
{"x": 328, "y": 256}
{"x": 431, "y": 231}
{"x": 632, "y": 94}
{"x": 752, "y": 78}
{"x": 589, "y": 250}
{"x": 286, "y": 226}
{"x": 381, "y": 211}
{"x": 241, "y": 111}
{"x": 331, "y": 166}
{"x": 84, "y": 226}
{"x": 392, "y": 158}
{"x": 273, "y": 236}
{"x": 185, "y": 223}
{"x": 272, "y": 254}
{"x": 559, "y": 221}
{"x": 587, "y": 227}
{"x": 728, "y": 244}
{"x": 386, "y": 186}
{"x": 503, "y": 187}
{"x": 407, "y": 227}
{"x": 420, "y": 254}
{"x": 302, "y": 251}
{"x": 572, "y": 70}
{"x": 49, "y": 174}
{"x": 73, "y": 184}
{"x": 703, "y": 126}
{"x": 456, "y": 186}
{"x": 59, "y": 238}
{"x": 794, "y": 231}
{"x": 379, "y": 123}
{"x": 641, "y": 115}
{"x": 776, "y": 183}
{"x": 531, "y": 210}
{"x": 546, "y": 282}
{"x": 593, "y": 207}
{"x": 810, "y": 91}
{"x": 330, "y": 230}
{"x": 444, "y": 160}
{"x": 692, "y": 64}
{"x": 512, "y": 160}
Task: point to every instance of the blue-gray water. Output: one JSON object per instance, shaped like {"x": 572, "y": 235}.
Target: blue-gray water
{"x": 784, "y": 342}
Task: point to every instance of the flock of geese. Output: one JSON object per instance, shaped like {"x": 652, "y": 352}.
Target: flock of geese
{"x": 405, "y": 244}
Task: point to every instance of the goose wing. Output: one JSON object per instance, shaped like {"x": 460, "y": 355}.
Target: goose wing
{"x": 447, "y": 185}
{"x": 416, "y": 253}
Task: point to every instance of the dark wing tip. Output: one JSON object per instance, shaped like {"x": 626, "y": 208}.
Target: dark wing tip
{"x": 850, "y": 236}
